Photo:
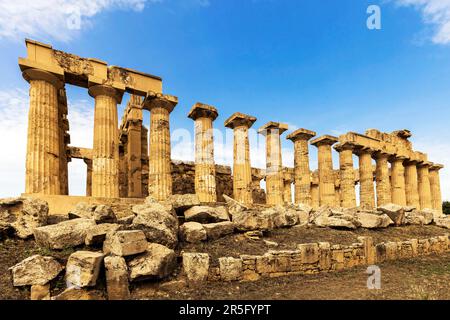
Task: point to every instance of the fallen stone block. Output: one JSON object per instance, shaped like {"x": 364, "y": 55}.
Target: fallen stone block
{"x": 373, "y": 221}
{"x": 82, "y": 210}
{"x": 96, "y": 235}
{"x": 125, "y": 243}
{"x": 196, "y": 266}
{"x": 117, "y": 278}
{"x": 395, "y": 212}
{"x": 234, "y": 206}
{"x": 443, "y": 222}
{"x": 65, "y": 234}
{"x": 79, "y": 294}
{"x": 230, "y": 269}
{"x": 218, "y": 230}
{"x": 192, "y": 232}
{"x": 126, "y": 220}
{"x": 157, "y": 262}
{"x": 253, "y": 220}
{"x": 40, "y": 292}
{"x": 104, "y": 214}
{"x": 35, "y": 270}
{"x": 205, "y": 214}
{"x": 83, "y": 268}
{"x": 182, "y": 202}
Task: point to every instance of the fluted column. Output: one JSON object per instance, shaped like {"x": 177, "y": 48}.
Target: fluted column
{"x": 43, "y": 144}
{"x": 242, "y": 171}
{"x": 424, "y": 185}
{"x": 160, "y": 167}
{"x": 398, "y": 181}
{"x": 382, "y": 178}
{"x": 105, "y": 162}
{"x": 347, "y": 175}
{"x": 302, "y": 173}
{"x": 367, "y": 192}
{"x": 287, "y": 186}
{"x": 64, "y": 140}
{"x": 315, "y": 197}
{"x": 326, "y": 174}
{"x": 435, "y": 186}
{"x": 274, "y": 178}
{"x": 88, "y": 177}
{"x": 205, "y": 170}
{"x": 134, "y": 148}
{"x": 411, "y": 184}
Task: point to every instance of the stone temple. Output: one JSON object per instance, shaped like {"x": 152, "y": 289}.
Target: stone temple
{"x": 123, "y": 164}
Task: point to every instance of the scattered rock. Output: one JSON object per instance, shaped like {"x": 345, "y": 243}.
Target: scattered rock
{"x": 79, "y": 294}
{"x": 96, "y": 235}
{"x": 196, "y": 266}
{"x": 23, "y": 215}
{"x": 65, "y": 234}
{"x": 333, "y": 218}
{"x": 234, "y": 207}
{"x": 117, "y": 278}
{"x": 409, "y": 208}
{"x": 253, "y": 220}
{"x": 443, "y": 222}
{"x": 253, "y": 235}
{"x": 282, "y": 217}
{"x": 373, "y": 221}
{"x": 218, "y": 230}
{"x": 40, "y": 292}
{"x": 126, "y": 220}
{"x": 395, "y": 212}
{"x": 271, "y": 243}
{"x": 82, "y": 268}
{"x": 192, "y": 232}
{"x": 182, "y": 202}
{"x": 35, "y": 270}
{"x": 157, "y": 263}
{"x": 82, "y": 210}
{"x": 205, "y": 214}
{"x": 125, "y": 243}
{"x": 104, "y": 214}
{"x": 230, "y": 269}
{"x": 158, "y": 224}
{"x": 431, "y": 212}
{"x": 302, "y": 207}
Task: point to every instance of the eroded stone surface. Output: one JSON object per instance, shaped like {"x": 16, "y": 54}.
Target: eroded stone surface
{"x": 83, "y": 268}
{"x": 116, "y": 278}
{"x": 35, "y": 270}
{"x": 125, "y": 243}
{"x": 205, "y": 214}
{"x": 196, "y": 266}
{"x": 192, "y": 232}
{"x": 157, "y": 262}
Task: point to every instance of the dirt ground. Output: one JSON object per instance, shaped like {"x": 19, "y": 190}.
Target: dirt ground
{"x": 422, "y": 278}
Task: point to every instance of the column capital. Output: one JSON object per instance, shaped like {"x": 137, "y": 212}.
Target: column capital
{"x": 425, "y": 164}
{"x": 238, "y": 119}
{"x": 159, "y": 100}
{"x": 271, "y": 125}
{"x": 436, "y": 167}
{"x": 363, "y": 150}
{"x": 201, "y": 110}
{"x": 379, "y": 154}
{"x": 344, "y": 146}
{"x": 37, "y": 74}
{"x": 301, "y": 134}
{"x": 394, "y": 158}
{"x": 105, "y": 90}
{"x": 324, "y": 140}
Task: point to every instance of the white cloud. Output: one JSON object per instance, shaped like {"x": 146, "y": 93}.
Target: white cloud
{"x": 57, "y": 19}
{"x": 436, "y": 13}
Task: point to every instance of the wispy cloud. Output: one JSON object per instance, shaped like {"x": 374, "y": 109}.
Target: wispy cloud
{"x": 55, "y": 19}
{"x": 435, "y": 13}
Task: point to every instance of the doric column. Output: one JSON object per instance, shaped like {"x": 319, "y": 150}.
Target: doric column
{"x": 347, "y": 175}
{"x": 382, "y": 178}
{"x": 88, "y": 177}
{"x": 43, "y": 144}
{"x": 398, "y": 181}
{"x": 315, "y": 198}
{"x": 160, "y": 175}
{"x": 287, "y": 185}
{"x": 144, "y": 161}
{"x": 64, "y": 141}
{"x": 242, "y": 171}
{"x": 205, "y": 170}
{"x": 435, "y": 186}
{"x": 105, "y": 162}
{"x": 424, "y": 185}
{"x": 302, "y": 173}
{"x": 367, "y": 192}
{"x": 326, "y": 174}
{"x": 411, "y": 184}
{"x": 274, "y": 178}
{"x": 134, "y": 148}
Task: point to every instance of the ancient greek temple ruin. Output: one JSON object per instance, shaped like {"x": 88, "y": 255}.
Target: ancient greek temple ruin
{"x": 131, "y": 161}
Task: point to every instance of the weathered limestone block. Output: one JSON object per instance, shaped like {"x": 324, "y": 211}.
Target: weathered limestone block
{"x": 75, "y": 293}
{"x": 125, "y": 243}
{"x": 157, "y": 262}
{"x": 204, "y": 214}
{"x": 192, "y": 232}
{"x": 35, "y": 270}
{"x": 40, "y": 292}
{"x": 196, "y": 266}
{"x": 104, "y": 214}
{"x": 159, "y": 224}
{"x": 230, "y": 269}
{"x": 234, "y": 206}
{"x": 395, "y": 212}
{"x": 325, "y": 217}
{"x": 370, "y": 252}
{"x": 253, "y": 220}
{"x": 117, "y": 278}
{"x": 83, "y": 268}
{"x": 325, "y": 261}
{"x": 126, "y": 220}
{"x": 309, "y": 252}
{"x": 443, "y": 222}
{"x": 65, "y": 234}
{"x": 23, "y": 215}
{"x": 373, "y": 221}
{"x": 96, "y": 235}
{"x": 182, "y": 202}
{"x": 218, "y": 230}
{"x": 82, "y": 210}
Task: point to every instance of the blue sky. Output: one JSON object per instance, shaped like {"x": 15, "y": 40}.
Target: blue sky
{"x": 313, "y": 64}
